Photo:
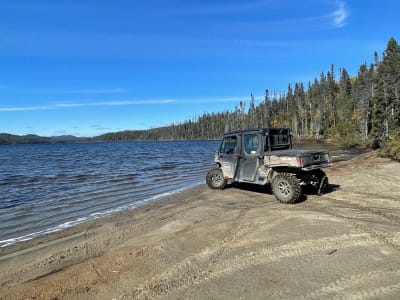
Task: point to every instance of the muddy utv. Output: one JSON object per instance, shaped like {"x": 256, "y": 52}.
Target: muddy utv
{"x": 265, "y": 156}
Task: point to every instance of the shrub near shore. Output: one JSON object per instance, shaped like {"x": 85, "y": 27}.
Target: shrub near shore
{"x": 392, "y": 147}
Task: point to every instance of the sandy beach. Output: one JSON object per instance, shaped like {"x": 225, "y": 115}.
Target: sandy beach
{"x": 238, "y": 243}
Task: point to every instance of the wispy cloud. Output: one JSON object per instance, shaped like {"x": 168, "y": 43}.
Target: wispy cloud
{"x": 117, "y": 90}
{"x": 314, "y": 16}
{"x": 86, "y": 104}
{"x": 340, "y": 15}
{"x": 100, "y": 127}
{"x": 128, "y": 103}
{"x": 220, "y": 100}
{"x": 26, "y": 108}
{"x": 97, "y": 91}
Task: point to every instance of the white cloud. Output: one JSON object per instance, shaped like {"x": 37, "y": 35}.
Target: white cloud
{"x": 97, "y": 91}
{"x": 25, "y": 108}
{"x": 220, "y": 100}
{"x": 313, "y": 16}
{"x": 117, "y": 90}
{"x": 340, "y": 15}
{"x": 129, "y": 103}
{"x": 87, "y": 104}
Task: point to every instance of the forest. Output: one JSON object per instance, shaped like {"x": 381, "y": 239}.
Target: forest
{"x": 361, "y": 110}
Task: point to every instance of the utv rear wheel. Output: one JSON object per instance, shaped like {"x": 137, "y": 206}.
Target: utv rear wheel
{"x": 318, "y": 181}
{"x": 323, "y": 186}
{"x": 286, "y": 188}
{"x": 215, "y": 179}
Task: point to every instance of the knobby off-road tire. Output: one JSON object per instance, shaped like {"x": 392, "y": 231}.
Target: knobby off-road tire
{"x": 286, "y": 188}
{"x": 319, "y": 181}
{"x": 323, "y": 182}
{"x": 215, "y": 179}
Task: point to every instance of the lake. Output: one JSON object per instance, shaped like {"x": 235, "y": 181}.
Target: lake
{"x": 49, "y": 187}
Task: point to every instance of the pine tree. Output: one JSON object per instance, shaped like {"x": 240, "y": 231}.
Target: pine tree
{"x": 343, "y": 103}
{"x": 330, "y": 88}
{"x": 292, "y": 111}
{"x": 386, "y": 102}
{"x": 363, "y": 98}
{"x": 267, "y": 111}
{"x": 390, "y": 70}
{"x": 251, "y": 115}
{"x": 299, "y": 97}
{"x": 379, "y": 106}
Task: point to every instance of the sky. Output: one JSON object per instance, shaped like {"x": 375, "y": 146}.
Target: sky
{"x": 87, "y": 67}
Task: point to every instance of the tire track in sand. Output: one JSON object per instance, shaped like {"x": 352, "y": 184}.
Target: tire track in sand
{"x": 204, "y": 267}
{"x": 364, "y": 207}
{"x": 391, "y": 239}
{"x": 341, "y": 288}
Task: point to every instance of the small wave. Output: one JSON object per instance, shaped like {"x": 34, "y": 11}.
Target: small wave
{"x": 92, "y": 217}
{"x": 10, "y": 204}
{"x": 82, "y": 182}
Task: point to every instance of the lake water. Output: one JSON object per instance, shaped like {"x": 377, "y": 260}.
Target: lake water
{"x": 49, "y": 187}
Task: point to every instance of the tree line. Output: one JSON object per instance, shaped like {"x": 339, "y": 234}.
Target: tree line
{"x": 11, "y": 139}
{"x": 360, "y": 109}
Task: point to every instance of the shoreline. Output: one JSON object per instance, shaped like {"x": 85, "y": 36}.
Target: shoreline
{"x": 54, "y": 233}
{"x": 238, "y": 242}
{"x": 70, "y": 225}
{"x": 42, "y": 256}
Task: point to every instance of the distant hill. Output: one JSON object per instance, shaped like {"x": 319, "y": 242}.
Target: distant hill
{"x": 11, "y": 139}
{"x": 67, "y": 139}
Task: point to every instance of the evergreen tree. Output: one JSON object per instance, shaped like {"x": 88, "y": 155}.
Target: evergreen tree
{"x": 292, "y": 111}
{"x": 299, "y": 97}
{"x": 251, "y": 115}
{"x": 344, "y": 107}
{"x": 363, "y": 98}
{"x": 386, "y": 103}
{"x": 390, "y": 73}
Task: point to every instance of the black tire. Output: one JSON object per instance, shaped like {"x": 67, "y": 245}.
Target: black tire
{"x": 323, "y": 182}
{"x": 286, "y": 188}
{"x": 319, "y": 181}
{"x": 215, "y": 179}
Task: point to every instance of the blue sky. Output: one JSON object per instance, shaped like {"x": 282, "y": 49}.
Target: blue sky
{"x": 87, "y": 67}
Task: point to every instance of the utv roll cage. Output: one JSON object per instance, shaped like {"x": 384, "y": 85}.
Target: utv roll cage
{"x": 273, "y": 138}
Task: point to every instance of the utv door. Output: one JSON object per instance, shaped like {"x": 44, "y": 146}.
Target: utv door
{"x": 228, "y": 155}
{"x": 249, "y": 161}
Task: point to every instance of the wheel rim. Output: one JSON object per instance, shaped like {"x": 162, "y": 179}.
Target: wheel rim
{"x": 216, "y": 179}
{"x": 284, "y": 188}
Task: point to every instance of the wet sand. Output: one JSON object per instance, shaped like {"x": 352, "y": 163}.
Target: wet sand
{"x": 238, "y": 243}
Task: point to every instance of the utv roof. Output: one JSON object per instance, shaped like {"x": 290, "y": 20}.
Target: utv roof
{"x": 265, "y": 131}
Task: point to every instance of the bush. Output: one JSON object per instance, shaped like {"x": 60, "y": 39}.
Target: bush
{"x": 392, "y": 147}
{"x": 346, "y": 135}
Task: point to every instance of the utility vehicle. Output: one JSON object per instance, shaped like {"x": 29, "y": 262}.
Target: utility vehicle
{"x": 266, "y": 156}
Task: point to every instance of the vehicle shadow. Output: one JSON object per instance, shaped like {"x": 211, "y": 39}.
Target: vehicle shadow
{"x": 267, "y": 189}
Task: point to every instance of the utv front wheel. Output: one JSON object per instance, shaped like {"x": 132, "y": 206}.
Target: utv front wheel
{"x": 215, "y": 179}
{"x": 286, "y": 188}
